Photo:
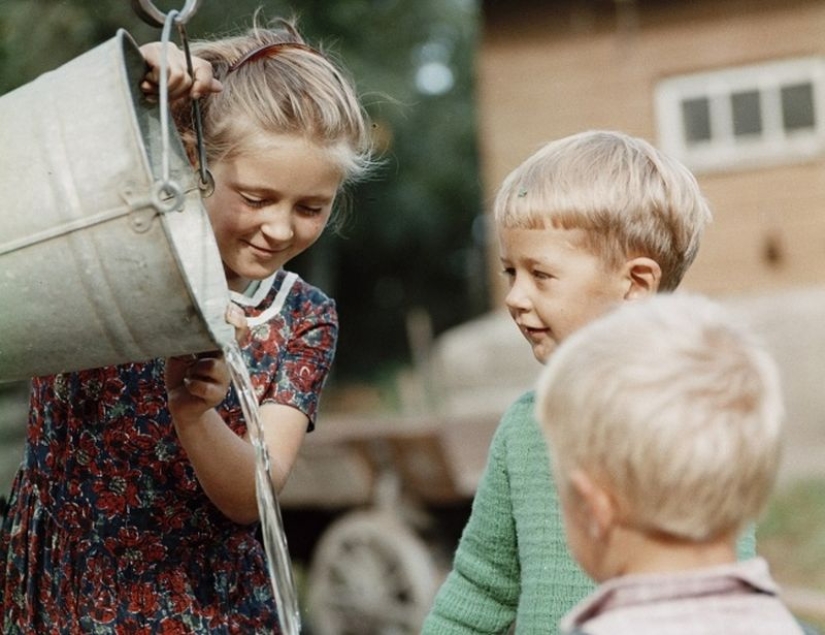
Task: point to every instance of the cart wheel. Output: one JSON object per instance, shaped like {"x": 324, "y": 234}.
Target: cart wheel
{"x": 370, "y": 575}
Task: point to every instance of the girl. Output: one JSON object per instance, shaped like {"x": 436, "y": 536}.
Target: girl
{"x": 134, "y": 509}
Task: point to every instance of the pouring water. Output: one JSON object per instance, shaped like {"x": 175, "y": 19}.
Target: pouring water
{"x": 278, "y": 561}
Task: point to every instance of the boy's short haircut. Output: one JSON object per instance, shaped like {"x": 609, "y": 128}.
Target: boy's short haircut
{"x": 629, "y": 198}
{"x": 674, "y": 408}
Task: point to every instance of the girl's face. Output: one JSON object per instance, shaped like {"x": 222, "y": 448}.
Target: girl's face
{"x": 270, "y": 205}
{"x": 555, "y": 286}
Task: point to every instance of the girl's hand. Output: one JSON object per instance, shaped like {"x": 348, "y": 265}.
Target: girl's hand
{"x": 180, "y": 84}
{"x": 195, "y": 384}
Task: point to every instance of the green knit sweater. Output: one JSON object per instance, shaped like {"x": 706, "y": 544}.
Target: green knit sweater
{"x": 512, "y": 564}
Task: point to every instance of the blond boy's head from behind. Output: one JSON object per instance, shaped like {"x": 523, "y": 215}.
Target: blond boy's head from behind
{"x": 588, "y": 221}
{"x": 664, "y": 421}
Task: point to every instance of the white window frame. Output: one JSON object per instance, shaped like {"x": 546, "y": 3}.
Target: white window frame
{"x": 724, "y": 150}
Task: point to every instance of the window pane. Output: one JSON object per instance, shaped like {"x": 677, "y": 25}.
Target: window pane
{"x": 798, "y": 106}
{"x": 696, "y": 118}
{"x": 747, "y": 113}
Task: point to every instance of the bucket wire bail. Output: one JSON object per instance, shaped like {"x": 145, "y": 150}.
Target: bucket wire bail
{"x": 150, "y": 14}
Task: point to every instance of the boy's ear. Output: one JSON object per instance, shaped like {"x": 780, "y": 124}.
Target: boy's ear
{"x": 644, "y": 275}
{"x": 597, "y": 504}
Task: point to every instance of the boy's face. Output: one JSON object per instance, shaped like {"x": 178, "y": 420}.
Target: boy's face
{"x": 555, "y": 285}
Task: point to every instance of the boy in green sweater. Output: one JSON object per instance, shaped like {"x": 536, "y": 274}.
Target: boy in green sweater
{"x": 587, "y": 222}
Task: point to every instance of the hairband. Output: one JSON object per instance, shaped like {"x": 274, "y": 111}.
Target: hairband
{"x": 268, "y": 50}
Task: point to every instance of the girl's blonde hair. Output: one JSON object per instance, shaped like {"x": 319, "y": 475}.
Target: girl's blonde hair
{"x": 289, "y": 89}
{"x": 630, "y": 199}
{"x": 671, "y": 406}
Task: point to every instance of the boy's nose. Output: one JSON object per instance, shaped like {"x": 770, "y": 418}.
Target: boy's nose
{"x": 517, "y": 298}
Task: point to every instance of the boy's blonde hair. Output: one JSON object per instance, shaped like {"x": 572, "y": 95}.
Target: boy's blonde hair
{"x": 630, "y": 199}
{"x": 672, "y": 407}
{"x": 290, "y": 89}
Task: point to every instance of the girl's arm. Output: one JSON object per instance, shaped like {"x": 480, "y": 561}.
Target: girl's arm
{"x": 225, "y": 463}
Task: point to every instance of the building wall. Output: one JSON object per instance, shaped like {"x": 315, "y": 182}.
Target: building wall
{"x": 548, "y": 69}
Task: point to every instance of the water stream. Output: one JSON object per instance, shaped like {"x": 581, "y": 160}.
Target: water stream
{"x": 277, "y": 553}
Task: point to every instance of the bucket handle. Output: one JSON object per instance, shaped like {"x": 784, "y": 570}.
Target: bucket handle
{"x": 146, "y": 10}
{"x": 206, "y": 183}
{"x": 149, "y": 13}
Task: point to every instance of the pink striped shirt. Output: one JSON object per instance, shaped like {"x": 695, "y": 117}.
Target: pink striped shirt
{"x": 734, "y": 599}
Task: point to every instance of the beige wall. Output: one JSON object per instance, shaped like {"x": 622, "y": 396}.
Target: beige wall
{"x": 546, "y": 70}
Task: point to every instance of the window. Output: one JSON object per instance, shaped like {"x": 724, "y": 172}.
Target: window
{"x": 746, "y": 116}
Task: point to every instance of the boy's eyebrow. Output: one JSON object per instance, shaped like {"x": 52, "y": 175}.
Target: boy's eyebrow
{"x": 530, "y": 260}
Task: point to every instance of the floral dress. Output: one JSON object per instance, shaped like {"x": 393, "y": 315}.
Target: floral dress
{"x": 108, "y": 529}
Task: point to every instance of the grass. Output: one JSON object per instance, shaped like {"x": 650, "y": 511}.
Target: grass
{"x": 791, "y": 537}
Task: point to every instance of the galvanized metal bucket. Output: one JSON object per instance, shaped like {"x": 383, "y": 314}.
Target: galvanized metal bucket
{"x": 101, "y": 261}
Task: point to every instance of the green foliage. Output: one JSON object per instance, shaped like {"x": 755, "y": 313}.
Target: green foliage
{"x": 409, "y": 242}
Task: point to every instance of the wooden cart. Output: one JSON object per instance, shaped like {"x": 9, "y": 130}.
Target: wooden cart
{"x": 402, "y": 486}
{"x": 377, "y": 565}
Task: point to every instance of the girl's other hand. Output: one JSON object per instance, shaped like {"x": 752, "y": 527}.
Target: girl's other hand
{"x": 195, "y": 384}
{"x": 180, "y": 84}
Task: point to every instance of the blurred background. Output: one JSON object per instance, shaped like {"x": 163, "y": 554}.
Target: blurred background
{"x": 460, "y": 92}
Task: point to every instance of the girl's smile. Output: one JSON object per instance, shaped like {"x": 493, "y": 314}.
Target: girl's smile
{"x": 264, "y": 251}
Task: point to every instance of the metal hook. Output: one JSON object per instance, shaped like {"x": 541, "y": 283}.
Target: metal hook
{"x": 153, "y": 16}
{"x": 206, "y": 184}
{"x": 167, "y": 196}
